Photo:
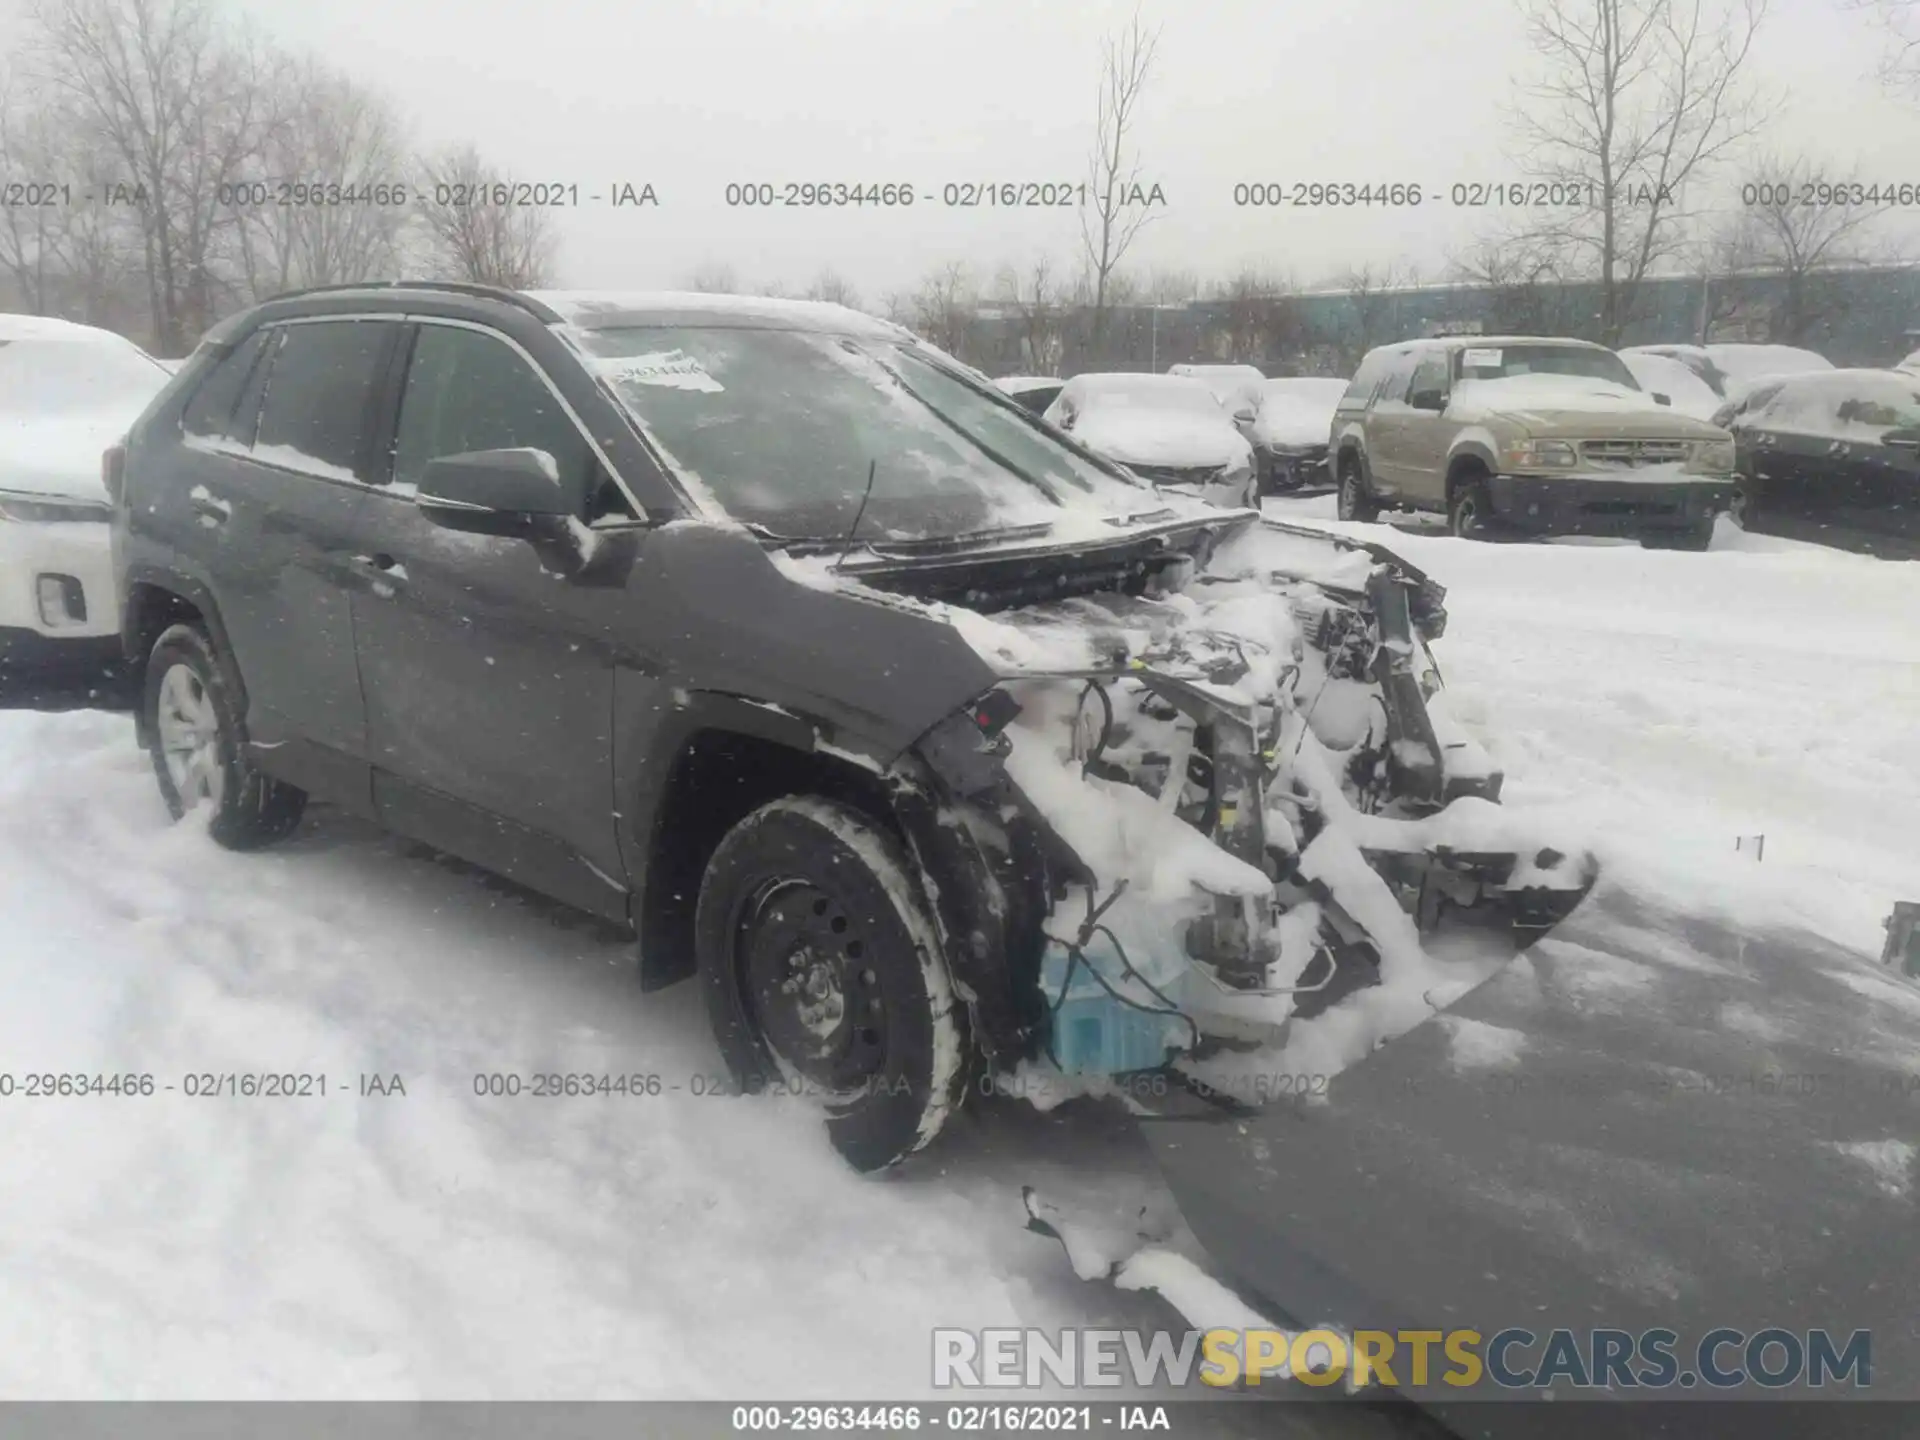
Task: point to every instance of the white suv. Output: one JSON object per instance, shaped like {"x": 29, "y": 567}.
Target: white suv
{"x": 67, "y": 393}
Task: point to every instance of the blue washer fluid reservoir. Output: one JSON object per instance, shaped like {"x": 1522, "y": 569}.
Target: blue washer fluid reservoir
{"x": 1092, "y": 1032}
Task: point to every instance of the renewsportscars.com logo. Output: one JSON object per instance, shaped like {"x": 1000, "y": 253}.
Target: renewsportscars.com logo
{"x": 1514, "y": 1359}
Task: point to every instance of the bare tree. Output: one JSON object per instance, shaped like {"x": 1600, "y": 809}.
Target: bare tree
{"x": 1111, "y": 219}
{"x": 472, "y": 235}
{"x": 714, "y": 277}
{"x": 1369, "y": 290}
{"x": 1262, "y": 317}
{"x": 181, "y": 107}
{"x": 1639, "y": 97}
{"x": 1171, "y": 287}
{"x": 1899, "y": 23}
{"x": 336, "y": 134}
{"x": 1525, "y": 292}
{"x": 1037, "y": 299}
{"x": 1798, "y": 246}
{"x": 943, "y": 308}
{"x": 830, "y": 286}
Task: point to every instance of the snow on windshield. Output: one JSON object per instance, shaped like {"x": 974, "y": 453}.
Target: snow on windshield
{"x": 1297, "y": 411}
{"x": 1856, "y": 405}
{"x": 785, "y": 427}
{"x": 60, "y": 376}
{"x": 1755, "y": 362}
{"x": 1662, "y": 375}
{"x": 1142, "y": 392}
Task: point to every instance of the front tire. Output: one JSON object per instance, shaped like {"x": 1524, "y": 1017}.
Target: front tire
{"x": 823, "y": 973}
{"x": 191, "y": 716}
{"x": 1470, "y": 513}
{"x": 1355, "y": 502}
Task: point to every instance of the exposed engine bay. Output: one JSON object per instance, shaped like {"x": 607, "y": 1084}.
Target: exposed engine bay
{"x": 1268, "y": 797}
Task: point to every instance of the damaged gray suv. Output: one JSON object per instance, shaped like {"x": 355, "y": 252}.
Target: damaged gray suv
{"x": 935, "y": 747}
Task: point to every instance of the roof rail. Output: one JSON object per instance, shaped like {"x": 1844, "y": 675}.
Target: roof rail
{"x": 458, "y": 287}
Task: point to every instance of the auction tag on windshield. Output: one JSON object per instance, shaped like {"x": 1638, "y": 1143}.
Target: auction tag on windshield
{"x": 674, "y": 369}
{"x": 1480, "y": 360}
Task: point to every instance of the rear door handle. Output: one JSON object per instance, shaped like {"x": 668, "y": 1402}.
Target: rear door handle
{"x": 211, "y": 509}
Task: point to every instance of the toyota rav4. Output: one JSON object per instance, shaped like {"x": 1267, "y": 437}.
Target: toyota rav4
{"x": 934, "y": 745}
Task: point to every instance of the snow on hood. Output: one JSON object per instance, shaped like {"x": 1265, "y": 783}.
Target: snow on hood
{"x": 1161, "y": 437}
{"x": 1535, "y": 399}
{"x": 59, "y": 457}
{"x": 1759, "y": 362}
{"x": 1297, "y": 412}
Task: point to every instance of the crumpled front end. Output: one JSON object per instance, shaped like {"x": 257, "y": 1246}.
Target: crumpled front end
{"x": 1258, "y": 801}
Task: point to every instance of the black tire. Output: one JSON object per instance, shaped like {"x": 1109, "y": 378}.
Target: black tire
{"x": 251, "y": 809}
{"x": 798, "y": 894}
{"x": 1355, "y": 501}
{"x": 1695, "y": 538}
{"x": 1470, "y": 512}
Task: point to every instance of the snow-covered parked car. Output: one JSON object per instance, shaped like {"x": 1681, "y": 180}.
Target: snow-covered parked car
{"x": 935, "y": 746}
{"x": 1912, "y": 362}
{"x": 67, "y": 393}
{"x": 1170, "y": 429}
{"x": 1679, "y": 383}
{"x": 1290, "y": 431}
{"x": 1036, "y": 392}
{"x": 1732, "y": 369}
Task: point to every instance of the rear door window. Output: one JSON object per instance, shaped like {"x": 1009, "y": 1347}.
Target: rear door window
{"x": 315, "y": 416}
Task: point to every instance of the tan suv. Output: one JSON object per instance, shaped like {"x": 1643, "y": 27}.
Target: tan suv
{"x": 1526, "y": 436}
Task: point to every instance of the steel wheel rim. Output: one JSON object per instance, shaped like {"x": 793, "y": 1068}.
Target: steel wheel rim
{"x": 188, "y": 730}
{"x": 810, "y": 987}
{"x": 1467, "y": 517}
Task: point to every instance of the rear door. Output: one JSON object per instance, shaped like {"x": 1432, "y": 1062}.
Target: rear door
{"x": 489, "y": 678}
{"x": 280, "y": 440}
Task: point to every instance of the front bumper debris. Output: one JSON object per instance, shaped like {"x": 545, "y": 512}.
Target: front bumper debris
{"x": 1264, "y": 802}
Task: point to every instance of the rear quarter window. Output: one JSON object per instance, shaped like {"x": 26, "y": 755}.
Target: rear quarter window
{"x": 315, "y": 416}
{"x": 214, "y": 411}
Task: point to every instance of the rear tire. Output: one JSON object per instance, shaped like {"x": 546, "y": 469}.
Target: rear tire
{"x": 824, "y": 976}
{"x": 191, "y": 716}
{"x": 1356, "y": 502}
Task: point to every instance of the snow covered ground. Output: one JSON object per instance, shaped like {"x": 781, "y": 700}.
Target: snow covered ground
{"x": 440, "y": 1244}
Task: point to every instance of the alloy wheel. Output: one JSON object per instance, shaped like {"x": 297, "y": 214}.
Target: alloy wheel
{"x": 188, "y": 728}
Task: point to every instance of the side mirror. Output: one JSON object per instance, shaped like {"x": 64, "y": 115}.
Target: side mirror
{"x": 1906, "y": 439}
{"x": 519, "y": 493}
{"x": 1660, "y": 399}
{"x": 1434, "y": 400}
{"x": 1243, "y": 414}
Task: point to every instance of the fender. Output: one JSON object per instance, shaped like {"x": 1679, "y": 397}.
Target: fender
{"x": 1475, "y": 444}
{"x": 135, "y": 638}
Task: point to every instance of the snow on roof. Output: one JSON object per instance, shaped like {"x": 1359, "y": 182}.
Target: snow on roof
{"x": 46, "y": 327}
{"x": 609, "y": 308}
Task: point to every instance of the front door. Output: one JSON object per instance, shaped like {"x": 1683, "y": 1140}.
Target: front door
{"x": 489, "y": 678}
{"x": 1424, "y": 432}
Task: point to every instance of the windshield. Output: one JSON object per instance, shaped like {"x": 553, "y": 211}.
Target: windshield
{"x": 1174, "y": 393}
{"x": 39, "y": 378}
{"x": 1497, "y": 362}
{"x": 784, "y": 427}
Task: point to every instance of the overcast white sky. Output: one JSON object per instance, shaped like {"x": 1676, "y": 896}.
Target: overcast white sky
{"x": 695, "y": 94}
